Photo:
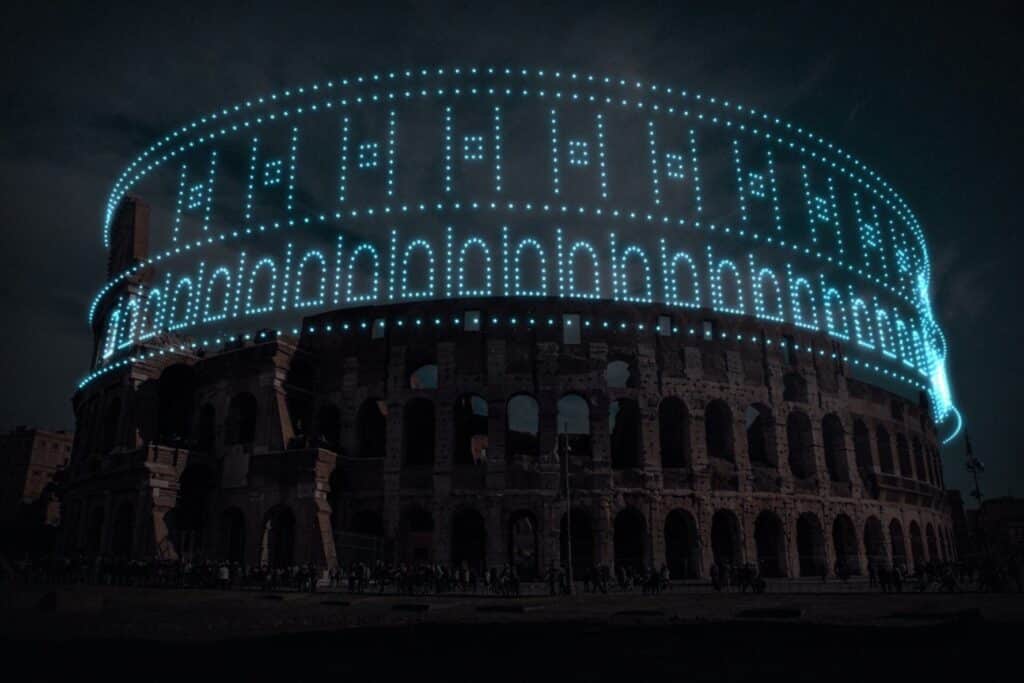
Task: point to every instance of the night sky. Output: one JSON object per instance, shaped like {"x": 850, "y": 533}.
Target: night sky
{"x": 933, "y": 99}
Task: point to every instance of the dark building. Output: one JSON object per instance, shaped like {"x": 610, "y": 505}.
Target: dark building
{"x": 998, "y": 527}
{"x": 30, "y": 459}
{"x": 435, "y": 431}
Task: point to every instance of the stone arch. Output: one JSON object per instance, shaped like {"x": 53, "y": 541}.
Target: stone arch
{"x": 418, "y": 432}
{"x": 207, "y": 440}
{"x": 371, "y": 428}
{"x": 794, "y": 388}
{"x": 903, "y": 451}
{"x": 243, "y": 411}
{"x": 862, "y": 448}
{"x": 726, "y": 539}
{"x": 718, "y": 431}
{"x": 625, "y": 433}
{"x": 682, "y": 545}
{"x": 278, "y": 546}
{"x": 800, "y": 442}
{"x": 416, "y": 531}
{"x": 618, "y": 374}
{"x": 232, "y": 532}
{"x": 761, "y": 435}
{"x": 885, "y": 461}
{"x": 583, "y": 546}
{"x": 770, "y": 539}
{"x": 933, "y": 548}
{"x": 123, "y": 533}
{"x": 874, "y": 542}
{"x": 834, "y": 438}
{"x": 574, "y": 424}
{"x": 111, "y": 421}
{"x": 674, "y": 432}
{"x": 94, "y": 531}
{"x": 522, "y": 427}
{"x": 523, "y": 544}
{"x": 810, "y": 545}
{"x": 920, "y": 471}
{"x": 424, "y": 377}
{"x": 916, "y": 545}
{"x": 899, "y": 544}
{"x": 844, "y": 542}
{"x": 630, "y": 539}
{"x": 328, "y": 421}
{"x": 190, "y": 518}
{"x": 469, "y": 421}
{"x": 469, "y": 539}
{"x": 176, "y": 391}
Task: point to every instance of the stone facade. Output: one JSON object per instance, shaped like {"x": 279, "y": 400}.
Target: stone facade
{"x": 431, "y": 432}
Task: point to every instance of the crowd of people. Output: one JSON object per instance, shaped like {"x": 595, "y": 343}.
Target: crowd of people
{"x": 437, "y": 578}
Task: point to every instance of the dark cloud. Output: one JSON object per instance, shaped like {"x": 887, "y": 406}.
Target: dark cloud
{"x": 928, "y": 97}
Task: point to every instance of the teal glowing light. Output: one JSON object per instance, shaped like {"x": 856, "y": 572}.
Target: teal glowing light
{"x": 458, "y": 182}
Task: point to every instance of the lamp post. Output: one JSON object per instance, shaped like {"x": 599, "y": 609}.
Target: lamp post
{"x": 976, "y": 467}
{"x": 564, "y": 450}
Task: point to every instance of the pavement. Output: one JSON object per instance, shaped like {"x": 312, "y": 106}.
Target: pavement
{"x": 133, "y": 634}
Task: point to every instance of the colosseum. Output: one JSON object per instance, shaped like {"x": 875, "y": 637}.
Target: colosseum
{"x": 490, "y": 425}
{"x": 435, "y": 432}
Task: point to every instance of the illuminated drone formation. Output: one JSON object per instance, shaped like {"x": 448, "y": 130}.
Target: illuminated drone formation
{"x": 479, "y": 182}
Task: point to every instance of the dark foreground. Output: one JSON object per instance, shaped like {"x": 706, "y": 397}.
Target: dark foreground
{"x": 176, "y": 635}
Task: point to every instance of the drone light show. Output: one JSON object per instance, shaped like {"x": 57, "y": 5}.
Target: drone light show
{"x": 499, "y": 182}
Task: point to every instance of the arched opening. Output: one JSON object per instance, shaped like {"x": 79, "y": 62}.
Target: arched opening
{"x": 523, "y": 548}
{"x": 94, "y": 535}
{"x": 917, "y": 546}
{"x": 522, "y": 424}
{"x": 726, "y": 544}
{"x": 682, "y": 546}
{"x": 884, "y": 444}
{"x": 574, "y": 424}
{"x": 921, "y": 473}
{"x": 862, "y": 448}
{"x": 760, "y": 435}
{"x": 899, "y": 545}
{"x": 469, "y": 540}
{"x": 630, "y": 539}
{"x": 232, "y": 525}
{"x": 624, "y": 426}
{"x": 771, "y": 545}
{"x": 207, "y": 428}
{"x": 328, "y": 422}
{"x": 190, "y": 518}
{"x": 582, "y": 533}
{"x": 844, "y": 540}
{"x": 242, "y": 414}
{"x": 417, "y": 533}
{"x": 801, "y": 445}
{"x": 371, "y": 428}
{"x": 794, "y": 387}
{"x": 423, "y": 377}
{"x": 834, "y": 438}
{"x": 903, "y": 450}
{"x": 618, "y": 375}
{"x": 175, "y": 397}
{"x": 367, "y": 523}
{"x": 874, "y": 542}
{"x": 718, "y": 431}
{"x": 674, "y": 433}
{"x": 111, "y": 419}
{"x": 123, "y": 531}
{"x": 469, "y": 417}
{"x": 278, "y": 549}
{"x": 810, "y": 545}
{"x": 418, "y": 432}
